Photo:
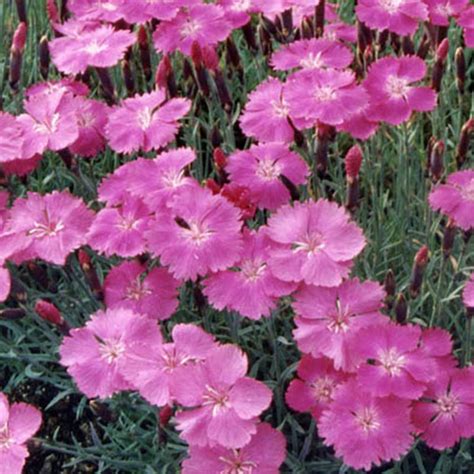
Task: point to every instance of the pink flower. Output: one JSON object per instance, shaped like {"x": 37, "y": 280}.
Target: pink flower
{"x": 397, "y": 365}
{"x": 106, "y": 10}
{"x": 399, "y": 16}
{"x": 199, "y": 233}
{"x": 266, "y": 114}
{"x": 312, "y": 54}
{"x": 92, "y": 353}
{"x": 392, "y": 95}
{"x": 445, "y": 412}
{"x": 18, "y": 423}
{"x": 260, "y": 169}
{"x": 99, "y": 47}
{"x": 120, "y": 230}
{"x": 340, "y": 31}
{"x": 152, "y": 368}
{"x": 154, "y": 295}
{"x": 315, "y": 386}
{"x": 456, "y": 198}
{"x": 5, "y": 283}
{"x": 21, "y": 167}
{"x": 67, "y": 84}
{"x": 237, "y": 12}
{"x": 224, "y": 402}
{"x": 52, "y": 226}
{"x": 141, "y": 11}
{"x": 361, "y": 124}
{"x": 248, "y": 287}
{"x": 204, "y": 23}
{"x": 328, "y": 319}
{"x": 466, "y": 21}
{"x": 441, "y": 11}
{"x": 145, "y": 122}
{"x": 365, "y": 430}
{"x": 330, "y": 96}
{"x": 317, "y": 242}
{"x": 264, "y": 454}
{"x": 11, "y": 138}
{"x": 468, "y": 293}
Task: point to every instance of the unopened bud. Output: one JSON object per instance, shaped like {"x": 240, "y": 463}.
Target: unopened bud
{"x": 165, "y": 77}
{"x": 390, "y": 288}
{"x": 407, "y": 45}
{"x": 196, "y": 54}
{"x": 19, "y": 37}
{"x": 353, "y": 162}
{"x": 52, "y": 11}
{"x": 21, "y": 9}
{"x": 12, "y": 314}
{"x": 210, "y": 58}
{"x": 220, "y": 160}
{"x": 128, "y": 78}
{"x": 91, "y": 276}
{"x": 216, "y": 137}
{"x": 222, "y": 90}
{"x": 249, "y": 35}
{"x": 463, "y": 145}
{"x": 423, "y": 47}
{"x": 49, "y": 312}
{"x": 437, "y": 160}
{"x": 165, "y": 415}
{"x": 460, "y": 62}
{"x": 44, "y": 57}
{"x": 144, "y": 49}
{"x": 213, "y": 186}
{"x": 448, "y": 237}
{"x": 419, "y": 265}
{"x": 107, "y": 85}
{"x": 232, "y": 53}
{"x": 442, "y": 50}
{"x": 401, "y": 309}
{"x": 319, "y": 18}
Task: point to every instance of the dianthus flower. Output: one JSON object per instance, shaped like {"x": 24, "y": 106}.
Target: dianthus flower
{"x": 145, "y": 122}
{"x": 468, "y": 293}
{"x": 361, "y": 124}
{"x": 436, "y": 343}
{"x": 316, "y": 243}
{"x": 104, "y": 10}
{"x": 21, "y": 167}
{"x": 340, "y": 31}
{"x": 11, "y": 138}
{"x": 18, "y": 423}
{"x": 61, "y": 86}
{"x": 441, "y": 11}
{"x": 223, "y": 402}
{"x": 237, "y": 12}
{"x": 141, "y": 11}
{"x": 152, "y": 293}
{"x": 466, "y": 21}
{"x": 456, "y": 198}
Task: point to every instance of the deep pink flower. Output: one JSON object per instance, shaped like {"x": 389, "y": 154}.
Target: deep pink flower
{"x": 399, "y": 16}
{"x": 199, "y": 233}
{"x": 224, "y": 402}
{"x": 11, "y": 138}
{"x": 237, "y": 12}
{"x": 264, "y": 454}
{"x": 154, "y": 295}
{"x": 315, "y": 386}
{"x": 365, "y": 430}
{"x": 317, "y": 242}
{"x": 18, "y": 423}
{"x": 249, "y": 287}
{"x": 260, "y": 169}
{"x": 204, "y": 23}
{"x": 328, "y": 319}
{"x": 468, "y": 293}
{"x": 105, "y": 10}
{"x": 145, "y": 122}
{"x": 392, "y": 93}
{"x": 92, "y": 353}
{"x": 21, "y": 167}
{"x": 141, "y": 11}
{"x": 456, "y": 198}
{"x": 340, "y": 31}
{"x": 441, "y": 11}
{"x": 466, "y": 21}
{"x": 445, "y": 412}
{"x": 361, "y": 124}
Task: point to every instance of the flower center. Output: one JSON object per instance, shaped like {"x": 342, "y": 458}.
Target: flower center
{"x": 280, "y": 108}
{"x": 137, "y": 290}
{"x": 312, "y": 61}
{"x": 127, "y": 223}
{"x": 392, "y": 361}
{"x": 190, "y": 28}
{"x": 173, "y": 359}
{"x": 219, "y": 401}
{"x": 467, "y": 192}
{"x": 268, "y": 170}
{"x": 111, "y": 350}
{"x": 397, "y": 87}
{"x": 391, "y": 6}
{"x": 312, "y": 244}
{"x": 50, "y": 229}
{"x": 110, "y": 7}
{"x": 173, "y": 178}
{"x": 47, "y": 126}
{"x": 323, "y": 389}
{"x": 252, "y": 270}
{"x": 367, "y": 419}
{"x": 85, "y": 120}
{"x": 236, "y": 465}
{"x": 339, "y": 321}
{"x": 144, "y": 117}
{"x": 325, "y": 94}
{"x": 240, "y": 5}
{"x": 94, "y": 47}
{"x": 447, "y": 405}
{"x": 197, "y": 233}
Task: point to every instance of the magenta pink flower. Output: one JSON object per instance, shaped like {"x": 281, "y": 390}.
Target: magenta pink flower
{"x": 154, "y": 295}
{"x": 18, "y": 423}
{"x": 199, "y": 233}
{"x": 397, "y": 365}
{"x": 92, "y": 353}
{"x": 456, "y": 198}
{"x": 314, "y": 388}
{"x": 153, "y": 368}
{"x": 264, "y": 454}
{"x": 466, "y": 21}
{"x": 328, "y": 96}
{"x": 445, "y": 412}
{"x": 361, "y": 124}
{"x": 224, "y": 402}
{"x": 248, "y": 287}
{"x": 316, "y": 243}
{"x": 145, "y": 122}
{"x": 266, "y": 114}
{"x": 260, "y": 169}
{"x": 312, "y": 54}
{"x": 436, "y": 343}
{"x": 120, "y": 230}
{"x": 340, "y": 31}
{"x": 328, "y": 319}
{"x": 365, "y": 430}
{"x": 52, "y": 226}
{"x": 141, "y": 11}
{"x": 21, "y": 167}
{"x": 61, "y": 86}
{"x": 204, "y": 23}
{"x": 468, "y": 293}
{"x": 105, "y": 10}
{"x": 392, "y": 95}
{"x": 237, "y": 12}
{"x": 99, "y": 47}
{"x": 399, "y": 16}
{"x": 441, "y": 11}
{"x": 11, "y": 138}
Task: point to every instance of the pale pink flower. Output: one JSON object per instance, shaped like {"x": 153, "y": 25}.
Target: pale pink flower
{"x": 223, "y": 402}
{"x": 11, "y": 138}
{"x": 468, "y": 293}
{"x": 316, "y": 243}
{"x": 466, "y": 21}
{"x": 141, "y": 11}
{"x": 105, "y": 10}
{"x": 340, "y": 31}
{"x": 61, "y": 86}
{"x": 365, "y": 430}
{"x": 145, "y": 122}
{"x": 441, "y": 11}
{"x": 18, "y": 423}
{"x": 153, "y": 293}
{"x": 456, "y": 198}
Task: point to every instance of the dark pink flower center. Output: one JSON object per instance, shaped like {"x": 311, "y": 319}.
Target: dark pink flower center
{"x": 173, "y": 359}
{"x": 46, "y": 229}
{"x": 367, "y": 419}
{"x": 218, "y": 400}
{"x": 47, "y": 125}
{"x": 137, "y": 290}
{"x": 236, "y": 464}
{"x": 340, "y": 320}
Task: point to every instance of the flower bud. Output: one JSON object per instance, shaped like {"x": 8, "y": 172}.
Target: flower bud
{"x": 222, "y": 90}
{"x": 144, "y": 50}
{"x": 164, "y": 415}
{"x": 408, "y": 47}
{"x": 44, "y": 57}
{"x": 52, "y": 11}
{"x": 401, "y": 309}
{"x": 419, "y": 265}
{"x": 49, "y": 312}
{"x": 196, "y": 54}
{"x": 91, "y": 276}
{"x": 210, "y": 58}
{"x": 463, "y": 145}
{"x": 442, "y": 50}
{"x": 233, "y": 56}
{"x": 319, "y": 18}
{"x": 21, "y": 9}
{"x": 16, "y": 55}
{"x": 460, "y": 63}
{"x": 107, "y": 85}
{"x": 19, "y": 37}
{"x": 265, "y": 41}
{"x": 353, "y": 162}
{"x": 293, "y": 190}
{"x": 213, "y": 186}
{"x": 249, "y": 35}
{"x": 12, "y": 314}
{"x": 423, "y": 47}
{"x": 436, "y": 160}
{"x": 390, "y": 288}
{"x": 165, "y": 77}
{"x": 438, "y": 68}
{"x": 128, "y": 78}
{"x": 287, "y": 20}
{"x": 216, "y": 137}
{"x": 448, "y": 237}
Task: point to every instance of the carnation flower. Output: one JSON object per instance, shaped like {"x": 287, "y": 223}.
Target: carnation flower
{"x": 466, "y": 21}
{"x": 237, "y": 12}
{"x": 436, "y": 343}
{"x": 366, "y": 430}
{"x": 468, "y": 293}
{"x": 260, "y": 169}
{"x": 145, "y": 122}
{"x": 199, "y": 233}
{"x": 340, "y": 31}
{"x": 61, "y": 86}
{"x": 328, "y": 319}
{"x": 92, "y": 353}
{"x": 392, "y": 95}
{"x": 313, "y": 391}
{"x": 152, "y": 293}
{"x": 445, "y": 412}
{"x": 248, "y": 287}
{"x": 223, "y": 403}
{"x": 141, "y": 11}
{"x": 441, "y": 11}
{"x": 105, "y": 10}
{"x": 399, "y": 16}
{"x": 317, "y": 242}
{"x": 264, "y": 454}
{"x": 361, "y": 124}
{"x": 456, "y": 198}
{"x": 18, "y": 423}
{"x": 11, "y": 138}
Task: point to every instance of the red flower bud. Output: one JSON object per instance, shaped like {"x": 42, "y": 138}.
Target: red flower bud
{"x": 419, "y": 265}
{"x": 52, "y": 11}
{"x": 49, "y": 312}
{"x": 421, "y": 257}
{"x": 164, "y": 415}
{"x": 220, "y": 160}
{"x": 353, "y": 162}
{"x": 442, "y": 50}
{"x": 436, "y": 160}
{"x": 210, "y": 58}
{"x": 213, "y": 186}
{"x": 196, "y": 55}
{"x": 19, "y": 37}
{"x": 464, "y": 138}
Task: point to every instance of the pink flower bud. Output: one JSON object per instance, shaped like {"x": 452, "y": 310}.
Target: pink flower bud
{"x": 52, "y": 11}
{"x": 49, "y": 312}
{"x": 210, "y": 58}
{"x": 19, "y": 37}
{"x": 353, "y": 161}
{"x": 220, "y": 159}
{"x": 196, "y": 55}
{"x": 443, "y": 49}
